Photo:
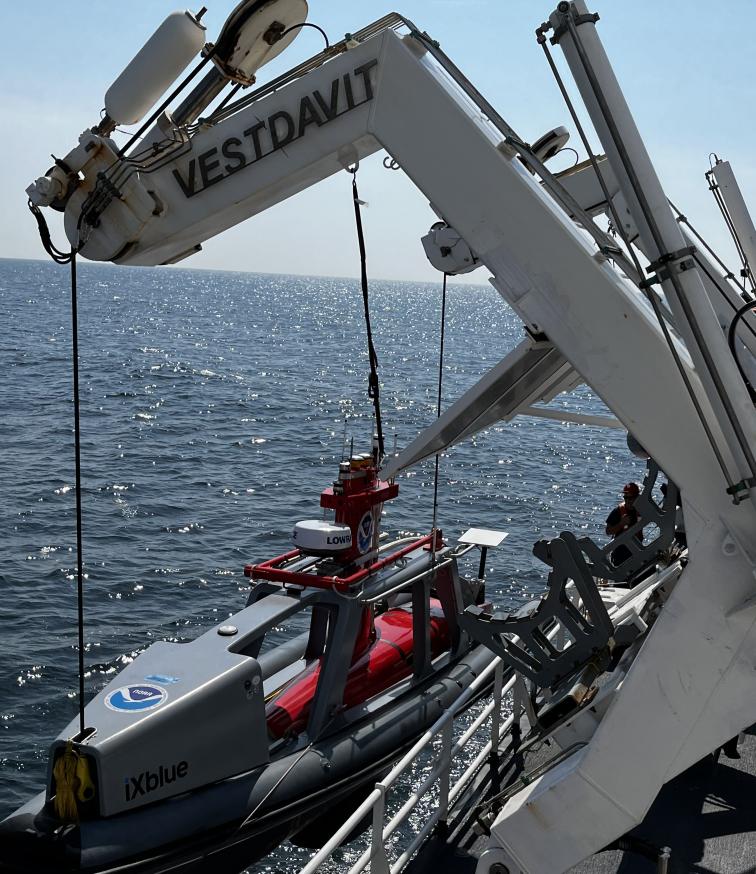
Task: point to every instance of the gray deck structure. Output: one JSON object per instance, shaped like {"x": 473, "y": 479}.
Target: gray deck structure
{"x": 706, "y": 817}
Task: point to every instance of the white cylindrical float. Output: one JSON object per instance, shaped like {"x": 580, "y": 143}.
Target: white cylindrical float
{"x": 159, "y": 62}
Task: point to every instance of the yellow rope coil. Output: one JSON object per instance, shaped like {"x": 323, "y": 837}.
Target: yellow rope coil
{"x": 64, "y": 772}
{"x": 85, "y": 791}
{"x": 73, "y": 781}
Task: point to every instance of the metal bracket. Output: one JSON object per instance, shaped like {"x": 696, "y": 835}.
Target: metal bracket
{"x": 537, "y": 338}
{"x": 611, "y": 251}
{"x": 424, "y": 36}
{"x": 565, "y": 9}
{"x": 673, "y": 262}
{"x": 522, "y": 641}
{"x": 603, "y": 562}
{"x": 742, "y": 491}
{"x": 669, "y": 257}
{"x": 506, "y": 149}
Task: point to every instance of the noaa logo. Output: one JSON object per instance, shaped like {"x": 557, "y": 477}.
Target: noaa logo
{"x": 136, "y": 699}
{"x": 365, "y": 533}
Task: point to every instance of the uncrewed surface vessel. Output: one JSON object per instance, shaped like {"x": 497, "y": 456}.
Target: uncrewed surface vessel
{"x": 216, "y": 750}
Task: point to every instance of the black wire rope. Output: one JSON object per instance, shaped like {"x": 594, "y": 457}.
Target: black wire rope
{"x": 308, "y": 24}
{"x": 438, "y": 408}
{"x": 230, "y": 96}
{"x": 70, "y": 258}
{"x": 77, "y": 454}
{"x": 714, "y": 188}
{"x": 728, "y": 274}
{"x": 374, "y": 392}
{"x": 713, "y": 278}
{"x": 750, "y": 306}
{"x": 716, "y": 281}
{"x": 168, "y": 100}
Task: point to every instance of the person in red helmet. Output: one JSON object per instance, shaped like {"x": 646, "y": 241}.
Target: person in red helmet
{"x": 621, "y": 518}
{"x": 625, "y": 515}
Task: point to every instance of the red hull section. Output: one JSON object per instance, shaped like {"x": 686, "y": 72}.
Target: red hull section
{"x": 387, "y": 660}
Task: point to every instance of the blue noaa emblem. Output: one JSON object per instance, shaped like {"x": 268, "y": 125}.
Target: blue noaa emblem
{"x": 136, "y": 699}
{"x": 365, "y": 533}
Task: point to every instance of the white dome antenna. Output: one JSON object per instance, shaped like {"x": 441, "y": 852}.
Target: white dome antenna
{"x": 550, "y": 144}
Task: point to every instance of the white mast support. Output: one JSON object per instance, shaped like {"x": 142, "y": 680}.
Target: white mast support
{"x": 736, "y": 206}
{"x": 582, "y": 184}
{"x": 695, "y": 320}
{"x": 533, "y": 371}
{"x": 556, "y": 415}
{"x": 689, "y": 682}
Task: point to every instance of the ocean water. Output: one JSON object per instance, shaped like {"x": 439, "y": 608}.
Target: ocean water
{"x": 213, "y": 413}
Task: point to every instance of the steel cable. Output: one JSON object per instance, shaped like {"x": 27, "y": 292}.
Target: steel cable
{"x": 70, "y": 258}
{"x": 438, "y": 410}
{"x": 374, "y": 391}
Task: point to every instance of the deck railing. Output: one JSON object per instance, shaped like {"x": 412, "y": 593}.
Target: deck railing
{"x": 376, "y": 855}
{"x": 504, "y": 681}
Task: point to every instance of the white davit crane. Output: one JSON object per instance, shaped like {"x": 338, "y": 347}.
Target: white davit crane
{"x": 389, "y": 87}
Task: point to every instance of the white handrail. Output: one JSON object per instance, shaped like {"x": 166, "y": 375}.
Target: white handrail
{"x": 376, "y": 854}
{"x": 314, "y": 863}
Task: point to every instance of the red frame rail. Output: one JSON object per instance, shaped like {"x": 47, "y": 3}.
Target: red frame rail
{"x": 272, "y": 570}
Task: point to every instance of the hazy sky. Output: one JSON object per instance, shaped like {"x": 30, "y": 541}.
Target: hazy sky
{"x": 686, "y": 69}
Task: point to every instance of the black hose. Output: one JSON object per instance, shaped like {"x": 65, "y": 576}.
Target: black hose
{"x": 308, "y": 24}
{"x": 751, "y": 305}
{"x": 70, "y": 258}
{"x": 44, "y": 235}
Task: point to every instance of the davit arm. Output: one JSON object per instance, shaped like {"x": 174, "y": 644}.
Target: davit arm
{"x": 386, "y": 91}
